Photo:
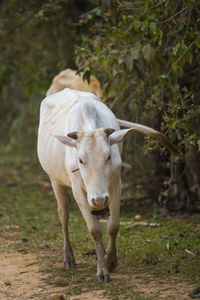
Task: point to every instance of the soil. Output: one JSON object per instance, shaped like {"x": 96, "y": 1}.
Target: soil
{"x": 21, "y": 278}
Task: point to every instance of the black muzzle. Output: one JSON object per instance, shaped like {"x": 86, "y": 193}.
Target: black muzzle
{"x": 103, "y": 212}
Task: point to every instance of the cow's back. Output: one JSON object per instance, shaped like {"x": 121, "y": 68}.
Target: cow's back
{"x": 70, "y": 79}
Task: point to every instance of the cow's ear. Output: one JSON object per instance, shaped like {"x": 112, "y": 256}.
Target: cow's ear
{"x": 73, "y": 135}
{"x": 66, "y": 140}
{"x": 108, "y": 131}
{"x": 120, "y": 135}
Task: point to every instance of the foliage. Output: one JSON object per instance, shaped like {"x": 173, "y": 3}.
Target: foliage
{"x": 148, "y": 49}
{"x": 38, "y": 40}
{"x": 146, "y": 54}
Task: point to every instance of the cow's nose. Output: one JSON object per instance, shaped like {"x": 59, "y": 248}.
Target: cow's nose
{"x": 100, "y": 202}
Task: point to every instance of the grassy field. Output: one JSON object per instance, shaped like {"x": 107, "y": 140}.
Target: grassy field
{"x": 28, "y": 216}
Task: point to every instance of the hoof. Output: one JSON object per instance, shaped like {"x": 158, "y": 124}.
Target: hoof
{"x": 103, "y": 278}
{"x": 69, "y": 264}
{"x": 195, "y": 293}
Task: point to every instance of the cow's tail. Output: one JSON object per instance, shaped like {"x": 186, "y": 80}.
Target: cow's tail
{"x": 160, "y": 137}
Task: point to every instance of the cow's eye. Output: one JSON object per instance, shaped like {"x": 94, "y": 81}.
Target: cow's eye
{"x": 109, "y": 157}
{"x": 80, "y": 160}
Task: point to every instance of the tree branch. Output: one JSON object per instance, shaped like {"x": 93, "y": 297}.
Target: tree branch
{"x": 184, "y": 8}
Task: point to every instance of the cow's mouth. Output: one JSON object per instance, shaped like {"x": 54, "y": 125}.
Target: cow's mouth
{"x": 103, "y": 212}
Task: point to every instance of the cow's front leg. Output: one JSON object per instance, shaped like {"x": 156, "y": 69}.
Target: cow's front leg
{"x": 102, "y": 270}
{"x": 95, "y": 230}
{"x": 113, "y": 224}
{"x": 63, "y": 210}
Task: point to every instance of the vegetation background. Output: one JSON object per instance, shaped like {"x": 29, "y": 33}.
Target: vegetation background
{"x": 146, "y": 56}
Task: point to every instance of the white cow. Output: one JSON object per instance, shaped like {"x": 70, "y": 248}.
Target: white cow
{"x": 78, "y": 147}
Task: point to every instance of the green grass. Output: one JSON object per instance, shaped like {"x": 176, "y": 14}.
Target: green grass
{"x": 28, "y": 217}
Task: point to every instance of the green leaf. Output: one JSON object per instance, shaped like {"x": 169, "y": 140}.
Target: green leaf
{"x": 129, "y": 62}
{"x": 173, "y": 20}
{"x": 140, "y": 68}
{"x": 197, "y": 42}
{"x": 175, "y": 49}
{"x": 135, "y": 51}
{"x": 172, "y": 123}
{"x": 165, "y": 79}
{"x": 153, "y": 26}
{"x": 124, "y": 18}
{"x": 144, "y": 25}
{"x": 189, "y": 57}
{"x": 136, "y": 24}
{"x": 179, "y": 70}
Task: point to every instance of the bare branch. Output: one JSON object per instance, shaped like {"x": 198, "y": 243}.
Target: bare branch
{"x": 184, "y": 8}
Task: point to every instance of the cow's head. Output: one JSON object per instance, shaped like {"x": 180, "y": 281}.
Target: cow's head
{"x": 94, "y": 158}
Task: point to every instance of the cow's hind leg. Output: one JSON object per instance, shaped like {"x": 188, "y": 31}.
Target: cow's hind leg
{"x": 113, "y": 225}
{"x": 63, "y": 210}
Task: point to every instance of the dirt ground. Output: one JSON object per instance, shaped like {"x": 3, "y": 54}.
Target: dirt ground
{"x": 21, "y": 278}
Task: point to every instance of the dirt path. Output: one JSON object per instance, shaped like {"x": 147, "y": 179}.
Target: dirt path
{"x": 21, "y": 278}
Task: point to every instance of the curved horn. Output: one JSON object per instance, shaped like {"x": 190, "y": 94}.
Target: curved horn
{"x": 160, "y": 137}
